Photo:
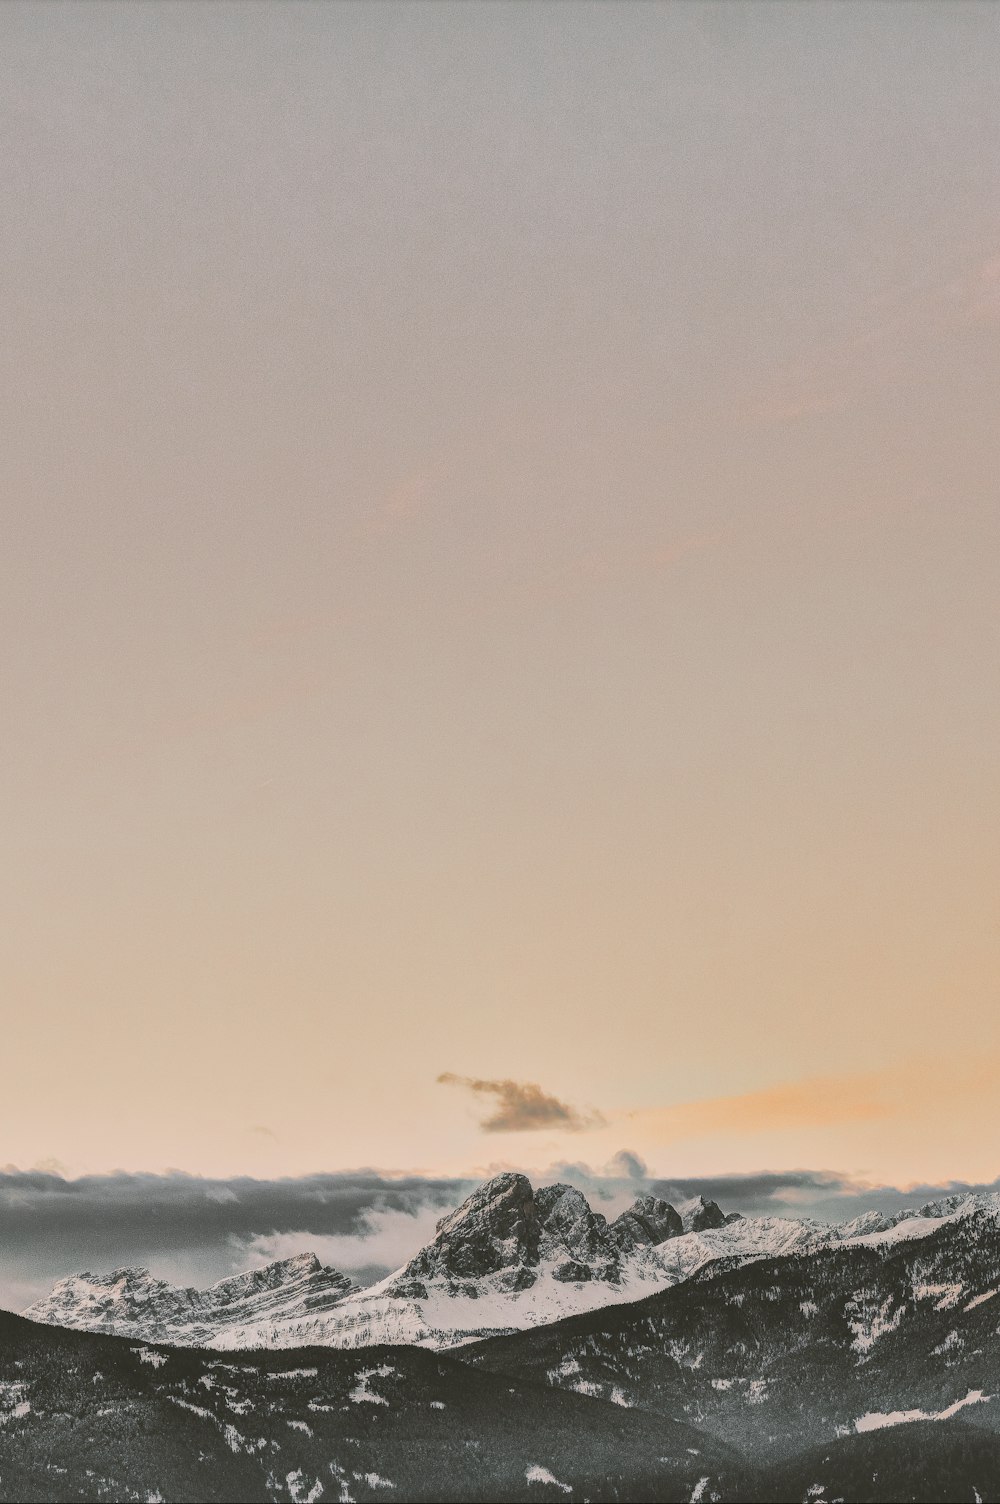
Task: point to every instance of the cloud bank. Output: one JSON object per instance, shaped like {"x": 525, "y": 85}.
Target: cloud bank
{"x": 194, "y": 1230}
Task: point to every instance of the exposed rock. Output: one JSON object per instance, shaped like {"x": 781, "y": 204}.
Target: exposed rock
{"x": 647, "y": 1222}
{"x": 699, "y": 1215}
{"x": 568, "y": 1226}
{"x": 495, "y": 1228}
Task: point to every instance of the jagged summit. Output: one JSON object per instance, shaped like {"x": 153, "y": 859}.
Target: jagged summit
{"x": 511, "y": 1234}
{"x": 648, "y": 1221}
{"x": 494, "y": 1229}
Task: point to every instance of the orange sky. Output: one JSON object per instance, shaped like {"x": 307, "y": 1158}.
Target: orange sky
{"x": 499, "y": 578}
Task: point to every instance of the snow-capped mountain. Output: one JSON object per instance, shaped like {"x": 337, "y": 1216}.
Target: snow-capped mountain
{"x": 508, "y": 1259}
{"x": 132, "y": 1303}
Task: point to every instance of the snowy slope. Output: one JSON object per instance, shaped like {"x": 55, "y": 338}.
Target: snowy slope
{"x": 508, "y": 1259}
{"x": 132, "y": 1303}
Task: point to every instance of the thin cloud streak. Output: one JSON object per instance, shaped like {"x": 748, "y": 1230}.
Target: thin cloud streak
{"x": 814, "y": 1103}
{"x": 820, "y": 1101}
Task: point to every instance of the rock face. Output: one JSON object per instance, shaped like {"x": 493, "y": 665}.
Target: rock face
{"x": 494, "y": 1231}
{"x": 647, "y": 1222}
{"x": 699, "y": 1215}
{"x": 510, "y": 1233}
{"x": 575, "y": 1239}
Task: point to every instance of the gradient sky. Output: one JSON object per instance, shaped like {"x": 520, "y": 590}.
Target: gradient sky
{"x": 499, "y": 578}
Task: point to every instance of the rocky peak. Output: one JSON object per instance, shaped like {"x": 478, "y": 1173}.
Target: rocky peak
{"x": 494, "y": 1229}
{"x": 699, "y": 1215}
{"x": 302, "y": 1272}
{"x": 647, "y": 1222}
{"x": 574, "y": 1235}
{"x": 130, "y": 1278}
{"x": 507, "y": 1230}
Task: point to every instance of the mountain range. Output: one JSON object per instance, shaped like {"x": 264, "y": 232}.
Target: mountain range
{"x": 509, "y": 1258}
{"x": 672, "y": 1353}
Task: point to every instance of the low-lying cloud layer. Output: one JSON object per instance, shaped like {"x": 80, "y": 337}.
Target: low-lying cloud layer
{"x": 193, "y": 1231}
{"x": 196, "y": 1230}
{"x": 522, "y": 1106}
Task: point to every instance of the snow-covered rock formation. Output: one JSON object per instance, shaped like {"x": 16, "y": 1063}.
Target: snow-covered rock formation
{"x": 132, "y": 1303}
{"x": 507, "y": 1259}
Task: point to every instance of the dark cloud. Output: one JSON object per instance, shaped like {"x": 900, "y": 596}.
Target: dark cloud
{"x": 520, "y": 1106}
{"x": 807, "y": 1193}
{"x": 627, "y": 1164}
{"x": 821, "y": 1194}
{"x": 51, "y": 1226}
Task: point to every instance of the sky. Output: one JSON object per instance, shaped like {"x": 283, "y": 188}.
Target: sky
{"x": 498, "y": 595}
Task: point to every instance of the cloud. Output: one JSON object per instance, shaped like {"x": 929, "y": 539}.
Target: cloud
{"x": 823, "y": 1194}
{"x": 522, "y": 1106}
{"x": 672, "y": 553}
{"x": 627, "y": 1164}
{"x": 417, "y": 492}
{"x": 827, "y": 1195}
{"x": 386, "y": 1238}
{"x": 921, "y": 1087}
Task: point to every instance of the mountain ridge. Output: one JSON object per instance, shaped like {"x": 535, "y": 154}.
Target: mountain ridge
{"x": 507, "y": 1259}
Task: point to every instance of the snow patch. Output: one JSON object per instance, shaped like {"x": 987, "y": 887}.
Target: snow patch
{"x": 362, "y": 1391}
{"x": 295, "y": 1483}
{"x": 195, "y": 1409}
{"x": 876, "y": 1421}
{"x": 952, "y": 1340}
{"x": 537, "y": 1474}
{"x": 150, "y": 1355}
{"x": 872, "y": 1321}
{"x": 945, "y": 1296}
{"x": 13, "y": 1405}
